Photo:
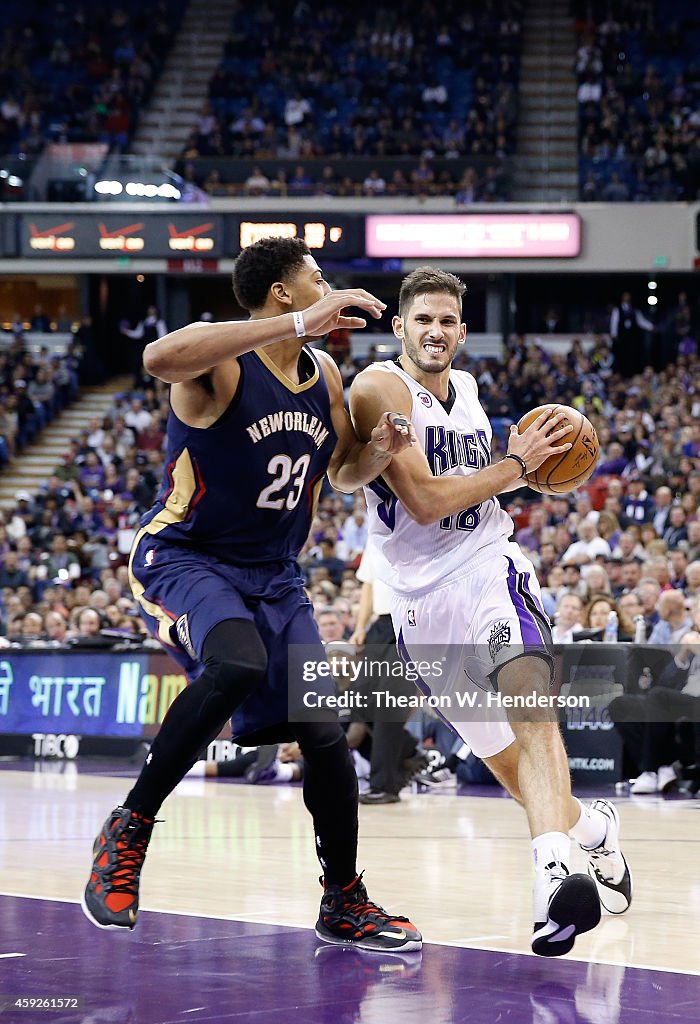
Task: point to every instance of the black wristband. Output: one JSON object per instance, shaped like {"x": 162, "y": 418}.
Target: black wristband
{"x": 521, "y": 463}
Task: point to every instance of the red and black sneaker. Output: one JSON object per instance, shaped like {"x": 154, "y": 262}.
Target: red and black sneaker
{"x": 349, "y": 917}
{"x": 111, "y": 897}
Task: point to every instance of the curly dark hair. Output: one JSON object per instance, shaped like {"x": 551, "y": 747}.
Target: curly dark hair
{"x": 261, "y": 264}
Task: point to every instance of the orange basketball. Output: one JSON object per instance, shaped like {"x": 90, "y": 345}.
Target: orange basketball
{"x": 560, "y": 474}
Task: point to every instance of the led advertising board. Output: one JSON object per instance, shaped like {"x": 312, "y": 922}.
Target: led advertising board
{"x": 474, "y": 235}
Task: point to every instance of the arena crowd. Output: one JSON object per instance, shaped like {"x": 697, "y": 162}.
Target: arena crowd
{"x": 634, "y": 529}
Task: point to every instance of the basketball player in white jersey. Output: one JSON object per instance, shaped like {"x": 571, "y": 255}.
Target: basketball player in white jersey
{"x": 458, "y": 583}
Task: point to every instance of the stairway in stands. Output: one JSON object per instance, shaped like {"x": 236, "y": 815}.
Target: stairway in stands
{"x": 183, "y": 85}
{"x": 32, "y": 467}
{"x": 547, "y": 159}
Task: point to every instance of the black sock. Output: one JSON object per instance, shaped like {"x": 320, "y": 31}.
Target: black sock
{"x": 330, "y": 794}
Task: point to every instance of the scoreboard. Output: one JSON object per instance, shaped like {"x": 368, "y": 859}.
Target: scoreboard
{"x": 339, "y": 237}
{"x": 173, "y": 234}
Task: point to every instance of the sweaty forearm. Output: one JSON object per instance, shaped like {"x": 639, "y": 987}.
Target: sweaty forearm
{"x": 362, "y": 464}
{"x": 438, "y": 497}
{"x": 192, "y": 350}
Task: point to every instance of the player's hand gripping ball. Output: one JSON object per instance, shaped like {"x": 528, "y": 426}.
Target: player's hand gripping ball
{"x": 560, "y": 474}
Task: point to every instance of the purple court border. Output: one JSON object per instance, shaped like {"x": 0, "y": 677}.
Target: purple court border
{"x": 175, "y": 969}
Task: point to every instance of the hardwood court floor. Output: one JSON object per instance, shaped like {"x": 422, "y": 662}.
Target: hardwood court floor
{"x": 458, "y": 866}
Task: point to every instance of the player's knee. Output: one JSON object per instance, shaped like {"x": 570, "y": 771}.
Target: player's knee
{"x": 319, "y": 736}
{"x": 233, "y": 678}
{"x": 235, "y": 659}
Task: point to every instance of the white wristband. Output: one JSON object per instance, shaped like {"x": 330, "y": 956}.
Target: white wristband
{"x": 299, "y": 328}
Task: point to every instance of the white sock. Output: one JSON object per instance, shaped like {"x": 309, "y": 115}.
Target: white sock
{"x": 589, "y": 831}
{"x": 198, "y": 769}
{"x": 284, "y": 771}
{"x": 547, "y": 848}
{"x": 550, "y": 846}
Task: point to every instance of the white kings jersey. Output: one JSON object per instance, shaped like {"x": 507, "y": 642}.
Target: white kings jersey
{"x": 413, "y": 558}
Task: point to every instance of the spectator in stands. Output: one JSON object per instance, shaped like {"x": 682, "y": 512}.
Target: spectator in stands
{"x": 257, "y": 183}
{"x": 434, "y": 96}
{"x": 88, "y": 622}
{"x": 530, "y": 537}
{"x": 573, "y": 584}
{"x": 300, "y": 183}
{"x": 658, "y": 567}
{"x": 40, "y": 321}
{"x": 355, "y": 529}
{"x": 296, "y": 110}
{"x": 628, "y": 608}
{"x": 627, "y": 327}
{"x": 679, "y": 564}
{"x": 648, "y": 721}
{"x": 92, "y": 474}
{"x": 692, "y": 579}
{"x": 152, "y": 436}
{"x": 596, "y": 580}
{"x": 676, "y": 532}
{"x": 616, "y": 190}
{"x": 663, "y": 496}
{"x": 149, "y": 329}
{"x": 589, "y": 545}
{"x": 330, "y": 625}
{"x": 137, "y": 418}
{"x": 32, "y": 627}
{"x": 638, "y": 507}
{"x": 61, "y": 564}
{"x": 329, "y": 561}
{"x": 10, "y": 573}
{"x": 64, "y": 321}
{"x": 673, "y": 622}
{"x": 56, "y": 627}
{"x": 568, "y": 618}
{"x": 374, "y": 184}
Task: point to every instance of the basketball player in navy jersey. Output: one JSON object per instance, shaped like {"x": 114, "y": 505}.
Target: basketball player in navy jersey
{"x": 458, "y": 582}
{"x": 257, "y": 419}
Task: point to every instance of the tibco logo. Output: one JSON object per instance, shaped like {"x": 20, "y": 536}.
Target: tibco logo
{"x": 48, "y": 744}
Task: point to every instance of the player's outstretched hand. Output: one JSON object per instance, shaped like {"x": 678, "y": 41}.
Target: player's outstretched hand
{"x": 326, "y": 314}
{"x": 540, "y": 439}
{"x": 358, "y": 638}
{"x": 393, "y": 433}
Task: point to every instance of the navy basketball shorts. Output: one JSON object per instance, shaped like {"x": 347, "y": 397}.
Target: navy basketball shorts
{"x": 466, "y": 630}
{"x": 183, "y": 594}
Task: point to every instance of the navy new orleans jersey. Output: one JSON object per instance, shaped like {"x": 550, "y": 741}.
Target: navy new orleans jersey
{"x": 244, "y": 489}
{"x": 233, "y": 512}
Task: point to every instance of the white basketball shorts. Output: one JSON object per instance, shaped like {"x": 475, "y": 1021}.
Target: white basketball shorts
{"x": 473, "y": 626}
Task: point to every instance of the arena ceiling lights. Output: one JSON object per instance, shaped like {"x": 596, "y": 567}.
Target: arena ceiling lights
{"x": 136, "y": 190}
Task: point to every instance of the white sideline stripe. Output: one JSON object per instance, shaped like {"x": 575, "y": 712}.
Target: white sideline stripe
{"x": 455, "y": 944}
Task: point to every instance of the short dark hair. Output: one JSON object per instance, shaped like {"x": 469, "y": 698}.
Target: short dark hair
{"x": 429, "y": 279}
{"x": 261, "y": 264}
